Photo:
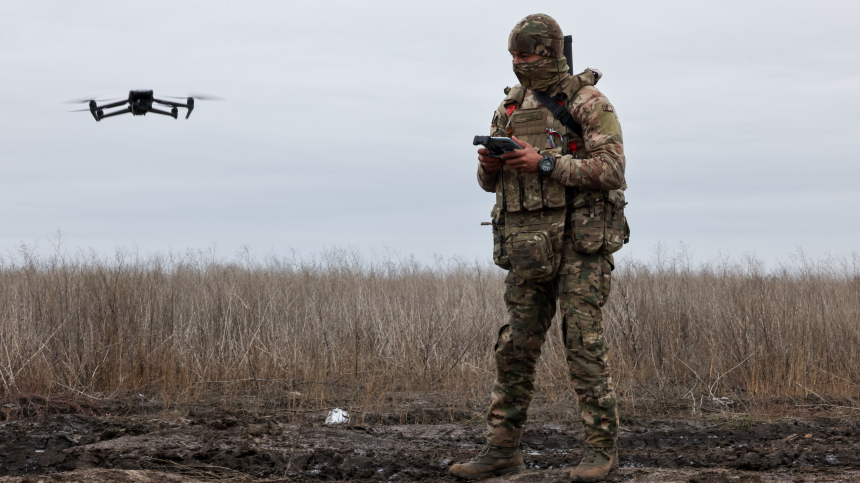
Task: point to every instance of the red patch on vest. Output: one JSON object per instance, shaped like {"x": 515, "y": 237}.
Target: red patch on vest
{"x": 511, "y": 109}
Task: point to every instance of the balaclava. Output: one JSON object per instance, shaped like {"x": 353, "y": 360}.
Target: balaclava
{"x": 539, "y": 34}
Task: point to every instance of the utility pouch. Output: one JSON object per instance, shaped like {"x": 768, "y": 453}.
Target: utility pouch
{"x": 616, "y": 229}
{"x": 500, "y": 255}
{"x": 533, "y": 243}
{"x": 588, "y": 226}
{"x": 598, "y": 221}
{"x": 553, "y": 193}
{"x": 531, "y": 254}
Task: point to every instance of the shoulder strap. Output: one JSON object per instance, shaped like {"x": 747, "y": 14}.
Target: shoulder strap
{"x": 514, "y": 95}
{"x": 558, "y": 111}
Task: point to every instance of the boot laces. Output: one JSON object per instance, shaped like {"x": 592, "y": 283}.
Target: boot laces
{"x": 589, "y": 457}
{"x": 483, "y": 452}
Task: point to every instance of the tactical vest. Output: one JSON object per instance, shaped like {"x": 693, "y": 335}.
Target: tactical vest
{"x": 531, "y": 210}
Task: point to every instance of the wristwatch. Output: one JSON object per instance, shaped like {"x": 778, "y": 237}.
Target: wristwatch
{"x": 546, "y": 165}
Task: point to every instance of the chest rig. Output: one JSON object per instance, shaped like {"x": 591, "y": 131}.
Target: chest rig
{"x": 531, "y": 210}
{"x": 530, "y": 121}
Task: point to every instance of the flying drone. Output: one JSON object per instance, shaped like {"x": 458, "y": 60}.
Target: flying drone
{"x": 140, "y": 103}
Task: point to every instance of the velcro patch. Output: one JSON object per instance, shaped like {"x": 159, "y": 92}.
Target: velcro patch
{"x": 526, "y": 116}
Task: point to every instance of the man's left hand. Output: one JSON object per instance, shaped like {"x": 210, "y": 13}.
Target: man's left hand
{"x": 524, "y": 160}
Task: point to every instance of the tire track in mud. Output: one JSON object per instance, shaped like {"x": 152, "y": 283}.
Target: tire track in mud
{"x": 234, "y": 445}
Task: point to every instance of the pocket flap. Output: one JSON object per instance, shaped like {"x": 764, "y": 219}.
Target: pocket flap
{"x": 587, "y": 198}
{"x": 616, "y": 197}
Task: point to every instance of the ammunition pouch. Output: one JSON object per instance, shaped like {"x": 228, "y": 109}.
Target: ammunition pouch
{"x": 598, "y": 222}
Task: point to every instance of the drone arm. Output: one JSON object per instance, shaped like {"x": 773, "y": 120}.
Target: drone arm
{"x": 171, "y": 114}
{"x": 115, "y": 113}
{"x": 188, "y": 105}
{"x": 169, "y": 103}
{"x": 115, "y": 104}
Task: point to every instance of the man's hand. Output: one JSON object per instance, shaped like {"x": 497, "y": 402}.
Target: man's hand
{"x": 490, "y": 165}
{"x": 523, "y": 160}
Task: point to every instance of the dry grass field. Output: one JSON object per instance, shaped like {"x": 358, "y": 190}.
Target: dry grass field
{"x": 185, "y": 368}
{"x": 341, "y": 328}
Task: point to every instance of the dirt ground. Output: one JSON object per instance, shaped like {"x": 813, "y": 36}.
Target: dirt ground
{"x": 144, "y": 442}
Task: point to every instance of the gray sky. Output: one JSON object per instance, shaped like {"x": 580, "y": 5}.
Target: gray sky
{"x": 350, "y": 123}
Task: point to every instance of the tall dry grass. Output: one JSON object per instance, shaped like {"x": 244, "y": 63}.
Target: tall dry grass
{"x": 343, "y": 328}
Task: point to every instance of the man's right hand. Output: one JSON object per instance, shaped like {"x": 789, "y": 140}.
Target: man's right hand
{"x": 490, "y": 165}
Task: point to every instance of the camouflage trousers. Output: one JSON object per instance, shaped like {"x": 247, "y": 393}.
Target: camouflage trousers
{"x": 581, "y": 288}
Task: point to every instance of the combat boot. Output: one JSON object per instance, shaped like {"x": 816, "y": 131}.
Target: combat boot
{"x": 596, "y": 464}
{"x": 491, "y": 461}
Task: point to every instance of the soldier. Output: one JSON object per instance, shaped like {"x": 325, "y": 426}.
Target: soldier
{"x": 559, "y": 216}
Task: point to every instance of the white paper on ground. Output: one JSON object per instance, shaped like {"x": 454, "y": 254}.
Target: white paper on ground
{"x": 337, "y": 416}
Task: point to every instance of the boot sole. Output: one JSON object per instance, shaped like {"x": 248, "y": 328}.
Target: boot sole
{"x": 502, "y": 472}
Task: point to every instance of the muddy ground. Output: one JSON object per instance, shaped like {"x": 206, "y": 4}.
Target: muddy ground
{"x": 144, "y": 442}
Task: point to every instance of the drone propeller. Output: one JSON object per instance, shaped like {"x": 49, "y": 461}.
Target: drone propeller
{"x": 197, "y": 97}
{"x": 79, "y": 110}
{"x": 88, "y": 99}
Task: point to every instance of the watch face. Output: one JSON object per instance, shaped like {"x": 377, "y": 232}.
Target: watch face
{"x": 545, "y": 165}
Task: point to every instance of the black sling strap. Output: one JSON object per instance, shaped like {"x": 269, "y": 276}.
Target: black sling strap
{"x": 559, "y": 112}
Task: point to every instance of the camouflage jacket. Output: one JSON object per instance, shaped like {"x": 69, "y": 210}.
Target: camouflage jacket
{"x": 599, "y": 164}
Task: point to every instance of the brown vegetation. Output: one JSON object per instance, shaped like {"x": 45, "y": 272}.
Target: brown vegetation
{"x": 362, "y": 332}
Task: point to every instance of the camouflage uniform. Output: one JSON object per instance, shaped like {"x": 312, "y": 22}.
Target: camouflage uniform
{"x": 556, "y": 236}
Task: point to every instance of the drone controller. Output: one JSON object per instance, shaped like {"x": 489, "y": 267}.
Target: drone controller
{"x": 496, "y": 145}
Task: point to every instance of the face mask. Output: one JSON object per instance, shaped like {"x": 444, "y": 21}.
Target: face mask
{"x": 541, "y": 74}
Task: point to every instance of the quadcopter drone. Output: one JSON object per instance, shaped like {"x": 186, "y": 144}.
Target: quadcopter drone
{"x": 139, "y": 103}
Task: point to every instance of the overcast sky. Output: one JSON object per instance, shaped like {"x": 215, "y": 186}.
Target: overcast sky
{"x": 349, "y": 124}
